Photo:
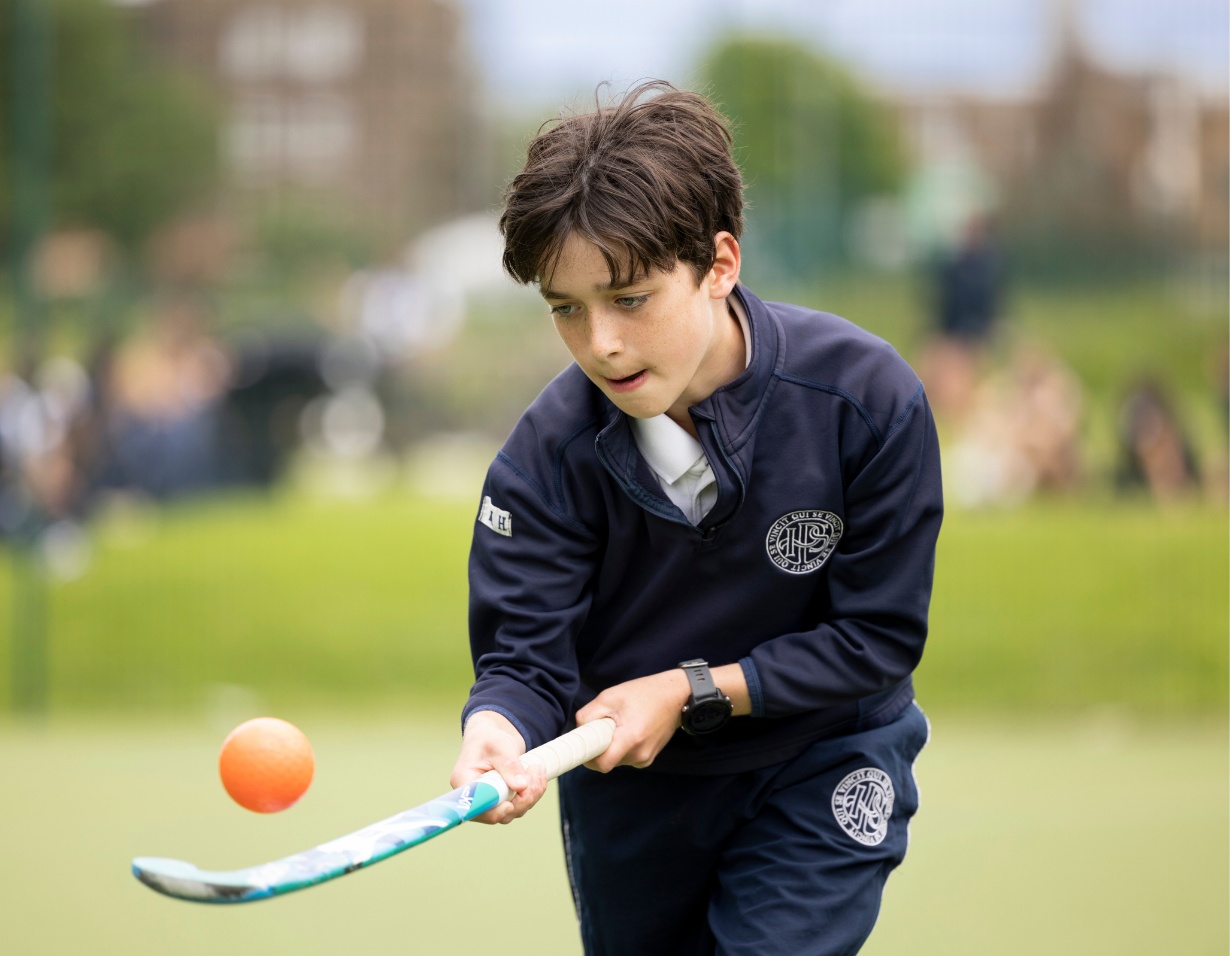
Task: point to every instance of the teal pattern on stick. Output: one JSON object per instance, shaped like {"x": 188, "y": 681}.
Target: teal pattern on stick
{"x": 325, "y": 862}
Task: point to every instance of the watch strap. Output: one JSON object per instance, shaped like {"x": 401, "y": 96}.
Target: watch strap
{"x": 700, "y": 680}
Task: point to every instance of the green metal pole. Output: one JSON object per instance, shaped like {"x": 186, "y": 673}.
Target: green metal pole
{"x": 30, "y": 157}
{"x": 30, "y": 658}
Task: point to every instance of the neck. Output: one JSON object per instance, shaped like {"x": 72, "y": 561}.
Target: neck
{"x": 684, "y": 420}
{"x": 724, "y": 362}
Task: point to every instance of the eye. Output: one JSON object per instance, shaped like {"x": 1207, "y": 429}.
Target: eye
{"x": 631, "y": 302}
{"x": 564, "y": 311}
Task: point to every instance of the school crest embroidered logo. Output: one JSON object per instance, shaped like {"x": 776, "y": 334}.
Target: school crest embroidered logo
{"x": 496, "y": 519}
{"x": 801, "y": 541}
{"x": 862, "y": 804}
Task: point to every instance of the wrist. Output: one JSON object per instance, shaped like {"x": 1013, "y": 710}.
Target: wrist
{"x": 487, "y": 722}
{"x": 680, "y": 690}
{"x": 733, "y": 681}
{"x": 708, "y": 709}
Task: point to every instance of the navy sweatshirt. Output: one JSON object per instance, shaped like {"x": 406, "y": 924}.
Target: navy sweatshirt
{"x": 813, "y": 570}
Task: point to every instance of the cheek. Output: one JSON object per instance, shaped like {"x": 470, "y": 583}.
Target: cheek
{"x": 573, "y": 339}
{"x": 684, "y": 340}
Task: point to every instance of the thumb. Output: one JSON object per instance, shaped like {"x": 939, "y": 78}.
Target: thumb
{"x": 514, "y": 774}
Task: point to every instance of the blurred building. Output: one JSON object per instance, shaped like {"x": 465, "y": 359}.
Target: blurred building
{"x": 1094, "y": 157}
{"x": 370, "y": 102}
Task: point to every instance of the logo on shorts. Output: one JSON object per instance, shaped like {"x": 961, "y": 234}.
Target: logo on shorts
{"x": 862, "y": 804}
{"x": 496, "y": 519}
{"x": 801, "y": 541}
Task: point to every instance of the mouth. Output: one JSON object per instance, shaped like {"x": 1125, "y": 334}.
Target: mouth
{"x": 629, "y": 383}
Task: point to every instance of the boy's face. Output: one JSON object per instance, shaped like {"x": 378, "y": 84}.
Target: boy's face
{"x": 659, "y": 345}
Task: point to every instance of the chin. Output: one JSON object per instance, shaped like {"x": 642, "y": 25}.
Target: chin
{"x": 637, "y": 409}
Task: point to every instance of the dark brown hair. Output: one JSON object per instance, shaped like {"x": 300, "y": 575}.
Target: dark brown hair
{"x": 649, "y": 179}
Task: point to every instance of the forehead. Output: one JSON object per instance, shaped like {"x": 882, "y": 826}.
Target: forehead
{"x": 582, "y": 267}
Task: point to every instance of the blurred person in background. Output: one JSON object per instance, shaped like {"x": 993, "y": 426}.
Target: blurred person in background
{"x": 44, "y": 420}
{"x": 1155, "y": 452}
{"x": 968, "y": 290}
{"x": 163, "y": 393}
{"x": 1020, "y": 435}
{"x": 969, "y": 286}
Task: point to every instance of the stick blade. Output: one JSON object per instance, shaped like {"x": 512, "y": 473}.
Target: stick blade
{"x": 184, "y": 881}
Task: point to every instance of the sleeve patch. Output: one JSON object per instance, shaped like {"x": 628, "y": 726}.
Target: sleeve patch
{"x": 496, "y": 519}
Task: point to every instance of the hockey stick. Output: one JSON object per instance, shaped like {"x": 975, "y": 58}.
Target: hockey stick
{"x": 373, "y": 843}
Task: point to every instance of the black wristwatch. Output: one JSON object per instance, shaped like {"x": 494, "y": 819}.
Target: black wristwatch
{"x": 708, "y": 708}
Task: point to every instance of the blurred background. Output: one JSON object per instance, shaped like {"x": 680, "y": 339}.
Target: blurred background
{"x": 256, "y": 350}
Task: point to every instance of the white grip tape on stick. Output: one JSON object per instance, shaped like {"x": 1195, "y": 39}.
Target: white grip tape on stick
{"x": 573, "y": 748}
{"x": 562, "y": 754}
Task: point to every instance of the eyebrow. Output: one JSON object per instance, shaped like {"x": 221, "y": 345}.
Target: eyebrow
{"x": 611, "y": 286}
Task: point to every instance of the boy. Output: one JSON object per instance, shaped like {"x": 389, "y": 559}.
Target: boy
{"x": 717, "y": 527}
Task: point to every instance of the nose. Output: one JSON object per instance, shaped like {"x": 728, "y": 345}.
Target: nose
{"x": 605, "y": 335}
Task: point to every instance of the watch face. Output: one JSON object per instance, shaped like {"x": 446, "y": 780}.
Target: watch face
{"x": 708, "y": 715}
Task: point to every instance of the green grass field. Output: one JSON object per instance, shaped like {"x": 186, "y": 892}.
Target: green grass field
{"x": 300, "y": 600}
{"x": 1099, "y": 836}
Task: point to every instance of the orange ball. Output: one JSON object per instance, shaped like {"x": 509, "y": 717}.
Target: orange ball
{"x": 266, "y": 764}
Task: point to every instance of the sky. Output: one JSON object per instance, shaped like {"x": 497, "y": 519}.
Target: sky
{"x": 550, "y": 51}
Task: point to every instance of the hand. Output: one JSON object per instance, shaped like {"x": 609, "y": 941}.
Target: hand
{"x": 646, "y": 712}
{"x": 491, "y": 742}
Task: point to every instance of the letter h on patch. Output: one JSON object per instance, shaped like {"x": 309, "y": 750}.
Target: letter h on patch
{"x": 496, "y": 519}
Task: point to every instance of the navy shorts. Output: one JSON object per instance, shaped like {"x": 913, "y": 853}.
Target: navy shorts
{"x": 789, "y": 859}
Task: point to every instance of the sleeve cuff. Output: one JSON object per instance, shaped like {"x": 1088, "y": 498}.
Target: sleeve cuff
{"x": 754, "y": 690}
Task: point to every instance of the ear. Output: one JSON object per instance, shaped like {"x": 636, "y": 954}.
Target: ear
{"x": 725, "y": 270}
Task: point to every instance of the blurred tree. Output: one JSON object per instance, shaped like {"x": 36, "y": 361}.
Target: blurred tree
{"x": 133, "y": 140}
{"x": 305, "y": 231}
{"x": 811, "y": 142}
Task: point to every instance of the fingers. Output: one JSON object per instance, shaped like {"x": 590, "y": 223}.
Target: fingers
{"x": 594, "y": 710}
{"x": 526, "y": 787}
{"x": 628, "y": 749}
{"x": 535, "y": 779}
{"x": 610, "y": 758}
{"x": 633, "y": 745}
{"x": 646, "y": 712}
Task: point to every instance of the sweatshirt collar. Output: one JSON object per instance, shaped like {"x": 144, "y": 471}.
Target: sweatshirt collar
{"x": 736, "y": 405}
